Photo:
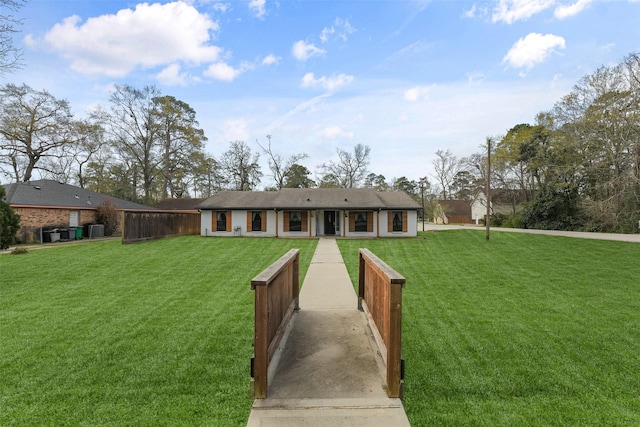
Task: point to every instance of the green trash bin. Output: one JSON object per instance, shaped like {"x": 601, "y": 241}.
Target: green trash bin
{"x": 78, "y": 233}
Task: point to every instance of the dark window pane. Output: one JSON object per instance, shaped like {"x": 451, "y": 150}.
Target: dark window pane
{"x": 256, "y": 221}
{"x": 221, "y": 222}
{"x": 295, "y": 221}
{"x": 397, "y": 221}
{"x": 361, "y": 221}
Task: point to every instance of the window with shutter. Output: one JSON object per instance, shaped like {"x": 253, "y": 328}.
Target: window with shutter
{"x": 221, "y": 221}
{"x": 361, "y": 221}
{"x": 295, "y": 220}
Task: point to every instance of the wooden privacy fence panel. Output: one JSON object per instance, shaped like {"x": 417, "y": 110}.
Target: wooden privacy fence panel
{"x": 380, "y": 297}
{"x": 276, "y": 298}
{"x": 459, "y": 219}
{"x": 139, "y": 226}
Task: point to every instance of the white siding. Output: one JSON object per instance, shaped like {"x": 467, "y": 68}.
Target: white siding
{"x": 315, "y": 225}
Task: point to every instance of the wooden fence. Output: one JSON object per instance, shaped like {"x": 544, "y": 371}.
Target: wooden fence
{"x": 276, "y": 298}
{"x": 380, "y": 297}
{"x": 138, "y": 226}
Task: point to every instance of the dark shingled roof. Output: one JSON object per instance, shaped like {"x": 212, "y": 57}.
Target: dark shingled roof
{"x": 178, "y": 204}
{"x": 456, "y": 207}
{"x": 49, "y": 193}
{"x": 310, "y": 198}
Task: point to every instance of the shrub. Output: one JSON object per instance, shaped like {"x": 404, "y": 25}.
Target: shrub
{"x": 514, "y": 221}
{"x": 497, "y": 219}
{"x": 107, "y": 214}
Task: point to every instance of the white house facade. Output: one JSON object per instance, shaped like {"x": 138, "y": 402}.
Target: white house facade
{"x": 309, "y": 213}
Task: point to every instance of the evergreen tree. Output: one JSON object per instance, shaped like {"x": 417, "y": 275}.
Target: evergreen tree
{"x": 9, "y": 222}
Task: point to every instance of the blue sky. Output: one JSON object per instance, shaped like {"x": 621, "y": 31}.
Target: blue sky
{"x": 406, "y": 78}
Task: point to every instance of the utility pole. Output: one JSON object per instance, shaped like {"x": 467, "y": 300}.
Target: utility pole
{"x": 422, "y": 184}
{"x": 488, "y": 189}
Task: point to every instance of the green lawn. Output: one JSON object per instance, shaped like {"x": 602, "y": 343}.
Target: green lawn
{"x": 150, "y": 334}
{"x": 521, "y": 330}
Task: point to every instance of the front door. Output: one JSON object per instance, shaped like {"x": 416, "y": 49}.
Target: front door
{"x": 329, "y": 223}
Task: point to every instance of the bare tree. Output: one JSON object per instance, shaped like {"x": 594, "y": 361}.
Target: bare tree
{"x": 280, "y": 168}
{"x": 350, "y": 169}
{"x": 70, "y": 161}
{"x": 134, "y": 129}
{"x": 33, "y": 125}
{"x": 10, "y": 55}
{"x": 446, "y": 167}
{"x": 240, "y": 167}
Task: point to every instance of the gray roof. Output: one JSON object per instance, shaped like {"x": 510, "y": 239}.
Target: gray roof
{"x": 178, "y": 204}
{"x": 49, "y": 193}
{"x": 310, "y": 198}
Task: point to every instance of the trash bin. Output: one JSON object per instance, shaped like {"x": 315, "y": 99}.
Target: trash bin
{"x": 72, "y": 233}
{"x": 79, "y": 233}
{"x": 46, "y": 236}
{"x": 64, "y": 234}
{"x": 55, "y": 236}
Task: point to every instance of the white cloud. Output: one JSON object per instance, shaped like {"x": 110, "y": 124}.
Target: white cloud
{"x": 475, "y": 77}
{"x": 172, "y": 76}
{"x": 510, "y": 11}
{"x": 336, "y": 132}
{"x": 328, "y": 83}
{"x": 417, "y": 48}
{"x": 476, "y": 11}
{"x": 225, "y": 72}
{"x": 609, "y": 46}
{"x": 302, "y": 50}
{"x": 236, "y": 129}
{"x": 30, "y": 41}
{"x": 222, "y": 7}
{"x": 417, "y": 93}
{"x": 326, "y": 32}
{"x": 566, "y": 11}
{"x": 345, "y": 29}
{"x": 532, "y": 50}
{"x": 472, "y": 12}
{"x": 341, "y": 28}
{"x": 149, "y": 36}
{"x": 257, "y": 7}
{"x": 271, "y": 59}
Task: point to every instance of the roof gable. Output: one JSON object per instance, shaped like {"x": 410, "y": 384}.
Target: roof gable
{"x": 456, "y": 207}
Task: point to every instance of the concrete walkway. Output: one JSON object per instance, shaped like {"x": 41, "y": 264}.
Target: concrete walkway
{"x": 328, "y": 373}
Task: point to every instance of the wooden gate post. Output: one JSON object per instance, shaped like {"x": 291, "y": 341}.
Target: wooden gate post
{"x": 380, "y": 297}
{"x": 277, "y": 291}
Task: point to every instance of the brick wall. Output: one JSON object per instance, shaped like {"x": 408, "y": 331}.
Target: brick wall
{"x": 32, "y": 218}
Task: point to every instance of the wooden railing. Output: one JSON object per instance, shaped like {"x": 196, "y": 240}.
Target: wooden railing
{"x": 138, "y": 226}
{"x": 276, "y": 298}
{"x": 380, "y": 297}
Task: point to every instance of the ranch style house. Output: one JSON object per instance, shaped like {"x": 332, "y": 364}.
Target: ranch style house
{"x": 310, "y": 212}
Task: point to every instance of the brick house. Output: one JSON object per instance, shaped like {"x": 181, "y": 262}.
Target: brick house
{"x": 47, "y": 204}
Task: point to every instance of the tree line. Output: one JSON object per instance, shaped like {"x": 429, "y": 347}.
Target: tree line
{"x": 143, "y": 146}
{"x": 577, "y": 167}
